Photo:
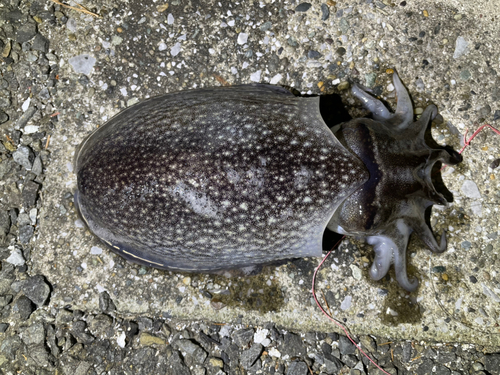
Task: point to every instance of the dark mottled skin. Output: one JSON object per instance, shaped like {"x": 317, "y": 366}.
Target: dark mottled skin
{"x": 215, "y": 179}
{"x": 232, "y": 177}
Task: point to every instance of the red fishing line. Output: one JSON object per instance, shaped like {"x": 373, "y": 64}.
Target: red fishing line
{"x": 466, "y": 143}
{"x": 331, "y": 318}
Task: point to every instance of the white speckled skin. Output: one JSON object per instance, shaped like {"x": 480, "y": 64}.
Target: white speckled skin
{"x": 215, "y": 179}
{"x": 231, "y": 177}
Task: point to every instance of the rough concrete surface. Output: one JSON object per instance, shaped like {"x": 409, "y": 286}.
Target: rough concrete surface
{"x": 446, "y": 53}
{"x": 455, "y": 309}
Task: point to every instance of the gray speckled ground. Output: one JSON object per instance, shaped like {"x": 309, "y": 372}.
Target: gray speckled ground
{"x": 445, "y": 54}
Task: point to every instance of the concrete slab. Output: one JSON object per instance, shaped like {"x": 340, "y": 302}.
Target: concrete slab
{"x": 146, "y": 52}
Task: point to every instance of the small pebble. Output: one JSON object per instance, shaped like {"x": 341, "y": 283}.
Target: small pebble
{"x": 370, "y": 79}
{"x": 242, "y": 38}
{"x": 95, "y": 250}
{"x": 470, "y": 190}
{"x": 162, "y": 8}
{"x": 477, "y": 366}
{"x": 461, "y": 47}
{"x": 356, "y": 272}
{"x": 495, "y": 163}
{"x": 343, "y": 86}
{"x": 82, "y": 63}
{"x": 304, "y": 7}
{"x": 325, "y": 12}
{"x": 216, "y": 362}
{"x": 16, "y": 257}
